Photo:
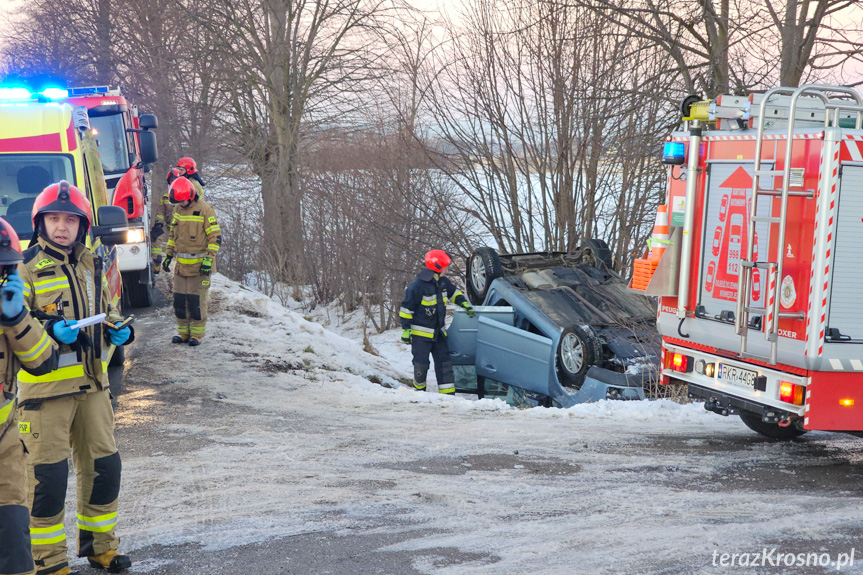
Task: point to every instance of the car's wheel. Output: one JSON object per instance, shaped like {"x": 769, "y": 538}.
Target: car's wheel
{"x": 577, "y": 350}
{"x": 137, "y": 294}
{"x": 483, "y": 267}
{"x": 754, "y": 422}
{"x": 597, "y": 253}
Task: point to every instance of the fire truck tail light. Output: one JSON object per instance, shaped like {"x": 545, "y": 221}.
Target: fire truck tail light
{"x": 846, "y": 402}
{"x": 791, "y": 393}
{"x": 705, "y": 368}
{"x": 681, "y": 363}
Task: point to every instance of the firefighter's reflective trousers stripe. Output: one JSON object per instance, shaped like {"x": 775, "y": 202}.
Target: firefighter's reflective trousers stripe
{"x": 439, "y": 350}
{"x": 84, "y": 425}
{"x": 190, "y": 304}
{"x": 15, "y": 557}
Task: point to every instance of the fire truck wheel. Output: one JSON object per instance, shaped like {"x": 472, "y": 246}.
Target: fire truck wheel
{"x": 753, "y": 421}
{"x": 577, "y": 350}
{"x": 482, "y": 267}
{"x": 597, "y": 253}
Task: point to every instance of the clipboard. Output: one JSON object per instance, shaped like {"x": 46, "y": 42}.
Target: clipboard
{"x": 88, "y": 321}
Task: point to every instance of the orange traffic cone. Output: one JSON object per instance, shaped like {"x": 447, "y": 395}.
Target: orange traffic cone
{"x": 644, "y": 268}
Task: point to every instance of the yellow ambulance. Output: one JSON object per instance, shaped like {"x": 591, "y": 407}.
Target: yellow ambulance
{"x": 42, "y": 142}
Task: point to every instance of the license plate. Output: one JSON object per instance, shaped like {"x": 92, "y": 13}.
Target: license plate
{"x": 737, "y": 376}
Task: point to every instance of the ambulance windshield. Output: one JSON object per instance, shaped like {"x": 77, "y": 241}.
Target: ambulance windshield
{"x": 111, "y": 135}
{"x": 22, "y": 177}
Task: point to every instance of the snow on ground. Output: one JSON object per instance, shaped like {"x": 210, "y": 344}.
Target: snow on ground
{"x": 277, "y": 426}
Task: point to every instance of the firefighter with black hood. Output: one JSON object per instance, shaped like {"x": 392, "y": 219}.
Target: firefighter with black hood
{"x": 195, "y": 239}
{"x": 23, "y": 344}
{"x": 69, "y": 408}
{"x": 423, "y": 313}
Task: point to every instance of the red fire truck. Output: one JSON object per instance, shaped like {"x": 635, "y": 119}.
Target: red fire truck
{"x": 759, "y": 288}
{"x": 127, "y": 147}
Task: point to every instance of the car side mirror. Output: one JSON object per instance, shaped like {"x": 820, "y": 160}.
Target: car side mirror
{"x": 113, "y": 225}
{"x": 148, "y": 122}
{"x": 147, "y": 141}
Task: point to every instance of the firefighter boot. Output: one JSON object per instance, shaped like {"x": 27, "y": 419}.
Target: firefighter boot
{"x": 420, "y": 373}
{"x": 110, "y": 560}
{"x": 194, "y": 341}
{"x": 179, "y": 339}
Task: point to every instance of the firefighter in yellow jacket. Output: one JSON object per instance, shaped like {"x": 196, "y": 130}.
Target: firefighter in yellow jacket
{"x": 23, "y": 344}
{"x": 70, "y": 407}
{"x": 161, "y": 220}
{"x": 194, "y": 242}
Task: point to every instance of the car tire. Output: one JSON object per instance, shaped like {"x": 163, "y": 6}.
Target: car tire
{"x": 577, "y": 350}
{"x": 597, "y": 253}
{"x": 754, "y": 422}
{"x": 483, "y": 267}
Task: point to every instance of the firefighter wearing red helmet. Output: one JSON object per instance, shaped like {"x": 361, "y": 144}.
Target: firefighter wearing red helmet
{"x": 23, "y": 344}
{"x": 195, "y": 239}
{"x": 189, "y": 170}
{"x": 423, "y": 313}
{"x": 68, "y": 409}
{"x": 161, "y": 220}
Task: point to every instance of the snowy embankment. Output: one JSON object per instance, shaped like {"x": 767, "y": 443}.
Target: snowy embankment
{"x": 277, "y": 426}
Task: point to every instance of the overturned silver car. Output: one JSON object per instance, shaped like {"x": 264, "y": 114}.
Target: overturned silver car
{"x": 560, "y": 327}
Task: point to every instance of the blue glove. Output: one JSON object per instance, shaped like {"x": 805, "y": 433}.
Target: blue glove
{"x": 12, "y": 296}
{"x": 63, "y": 333}
{"x": 119, "y": 336}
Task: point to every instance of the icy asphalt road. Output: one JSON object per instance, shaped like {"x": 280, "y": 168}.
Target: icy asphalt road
{"x": 259, "y": 452}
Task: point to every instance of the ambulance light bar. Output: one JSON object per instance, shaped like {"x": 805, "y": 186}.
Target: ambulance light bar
{"x": 25, "y": 95}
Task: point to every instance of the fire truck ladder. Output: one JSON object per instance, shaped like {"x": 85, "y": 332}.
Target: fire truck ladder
{"x": 770, "y": 313}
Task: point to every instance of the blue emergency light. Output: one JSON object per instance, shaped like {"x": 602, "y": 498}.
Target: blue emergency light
{"x": 674, "y": 153}
{"x": 55, "y": 93}
{"x": 19, "y": 94}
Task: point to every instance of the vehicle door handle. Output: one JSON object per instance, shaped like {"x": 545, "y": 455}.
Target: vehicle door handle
{"x": 490, "y": 368}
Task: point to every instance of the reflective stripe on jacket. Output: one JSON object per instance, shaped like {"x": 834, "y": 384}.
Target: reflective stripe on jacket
{"x": 195, "y": 234}
{"x": 58, "y": 285}
{"x": 24, "y": 344}
{"x": 423, "y": 311}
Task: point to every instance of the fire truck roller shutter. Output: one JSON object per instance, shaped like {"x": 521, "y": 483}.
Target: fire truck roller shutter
{"x": 846, "y": 313}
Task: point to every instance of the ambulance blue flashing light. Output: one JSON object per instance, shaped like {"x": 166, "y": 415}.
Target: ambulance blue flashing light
{"x": 674, "y": 154}
{"x": 55, "y": 93}
{"x": 17, "y": 94}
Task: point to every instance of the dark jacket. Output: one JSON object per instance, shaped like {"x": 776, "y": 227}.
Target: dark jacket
{"x": 423, "y": 311}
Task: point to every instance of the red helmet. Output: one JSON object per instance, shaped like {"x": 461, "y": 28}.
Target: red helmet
{"x": 10, "y": 247}
{"x": 187, "y": 164}
{"x": 182, "y": 190}
{"x": 63, "y": 198}
{"x": 437, "y": 260}
{"x": 173, "y": 174}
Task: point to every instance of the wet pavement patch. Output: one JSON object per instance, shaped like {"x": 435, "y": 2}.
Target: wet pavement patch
{"x": 489, "y": 462}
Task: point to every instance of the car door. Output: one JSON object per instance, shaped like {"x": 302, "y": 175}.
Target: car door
{"x": 514, "y": 356}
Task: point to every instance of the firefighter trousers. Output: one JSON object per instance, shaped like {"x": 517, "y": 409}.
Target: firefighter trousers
{"x": 83, "y": 424}
{"x": 190, "y": 305}
{"x": 439, "y": 350}
{"x": 157, "y": 248}
{"x": 15, "y": 556}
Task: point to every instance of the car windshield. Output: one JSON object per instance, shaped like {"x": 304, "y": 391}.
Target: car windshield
{"x": 111, "y": 135}
{"x": 22, "y": 177}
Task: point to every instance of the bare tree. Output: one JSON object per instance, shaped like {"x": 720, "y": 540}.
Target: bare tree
{"x": 279, "y": 56}
{"x": 537, "y": 110}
